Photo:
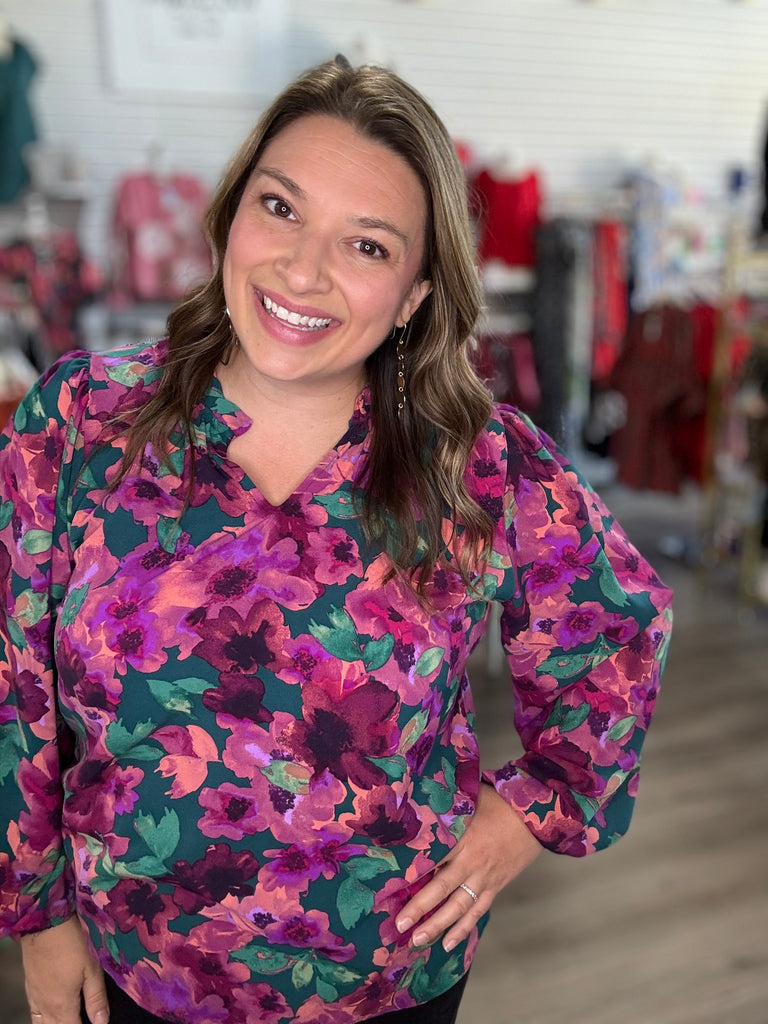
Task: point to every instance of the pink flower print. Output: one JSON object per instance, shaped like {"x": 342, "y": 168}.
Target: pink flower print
{"x": 580, "y": 625}
{"x": 190, "y": 750}
{"x": 209, "y": 971}
{"x": 305, "y": 657}
{"x": 310, "y": 930}
{"x": 220, "y": 873}
{"x": 292, "y": 868}
{"x": 230, "y": 811}
{"x": 137, "y": 905}
{"x": 334, "y": 554}
{"x": 131, "y": 632}
{"x": 271, "y": 1007}
{"x": 236, "y": 645}
{"x": 120, "y": 786}
{"x": 341, "y": 734}
{"x": 385, "y": 817}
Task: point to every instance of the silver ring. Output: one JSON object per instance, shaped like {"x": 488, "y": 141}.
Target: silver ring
{"x": 471, "y": 892}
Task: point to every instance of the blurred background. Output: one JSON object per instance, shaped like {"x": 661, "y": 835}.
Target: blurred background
{"x": 615, "y": 152}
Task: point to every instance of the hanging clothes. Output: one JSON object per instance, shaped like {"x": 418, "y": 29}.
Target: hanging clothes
{"x": 159, "y": 247}
{"x": 665, "y": 397}
{"x": 610, "y": 295}
{"x": 17, "y": 126}
{"x": 509, "y": 216}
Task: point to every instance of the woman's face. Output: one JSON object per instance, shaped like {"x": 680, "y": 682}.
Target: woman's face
{"x": 323, "y": 258}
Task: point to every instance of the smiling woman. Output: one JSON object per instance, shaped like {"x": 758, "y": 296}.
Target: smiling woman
{"x": 244, "y": 569}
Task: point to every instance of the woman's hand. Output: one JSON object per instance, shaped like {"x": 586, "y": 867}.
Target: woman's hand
{"x": 57, "y": 968}
{"x": 496, "y": 846}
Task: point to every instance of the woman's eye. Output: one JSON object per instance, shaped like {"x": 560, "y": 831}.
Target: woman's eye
{"x": 370, "y": 248}
{"x": 278, "y": 206}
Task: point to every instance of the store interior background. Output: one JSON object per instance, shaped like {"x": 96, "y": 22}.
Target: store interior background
{"x": 570, "y": 101}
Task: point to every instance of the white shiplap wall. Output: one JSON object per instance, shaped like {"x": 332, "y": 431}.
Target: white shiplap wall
{"x": 581, "y": 90}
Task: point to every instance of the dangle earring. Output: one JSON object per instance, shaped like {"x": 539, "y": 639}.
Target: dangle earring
{"x": 233, "y": 339}
{"x": 402, "y": 341}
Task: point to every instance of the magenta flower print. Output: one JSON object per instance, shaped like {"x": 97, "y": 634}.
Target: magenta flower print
{"x": 220, "y": 873}
{"x": 310, "y": 930}
{"x": 165, "y": 992}
{"x": 244, "y": 645}
{"x": 342, "y": 733}
{"x": 120, "y": 787}
{"x": 230, "y": 811}
{"x": 334, "y": 554}
{"x": 137, "y": 904}
{"x": 38, "y": 779}
{"x": 581, "y": 625}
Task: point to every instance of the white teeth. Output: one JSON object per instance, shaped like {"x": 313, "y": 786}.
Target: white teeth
{"x": 295, "y": 319}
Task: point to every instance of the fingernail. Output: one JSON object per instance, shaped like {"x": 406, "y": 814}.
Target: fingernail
{"x": 449, "y": 944}
{"x": 102, "y": 1017}
{"x": 404, "y": 924}
{"x": 421, "y": 939}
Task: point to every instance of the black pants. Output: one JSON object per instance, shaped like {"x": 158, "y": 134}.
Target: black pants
{"x": 442, "y": 1010}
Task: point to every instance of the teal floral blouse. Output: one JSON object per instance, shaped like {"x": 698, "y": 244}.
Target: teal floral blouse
{"x": 236, "y": 748}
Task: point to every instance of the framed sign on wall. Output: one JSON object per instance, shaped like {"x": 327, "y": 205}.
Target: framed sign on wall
{"x": 219, "y": 47}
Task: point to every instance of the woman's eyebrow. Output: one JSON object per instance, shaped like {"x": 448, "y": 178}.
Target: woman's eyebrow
{"x": 372, "y": 223}
{"x": 288, "y": 183}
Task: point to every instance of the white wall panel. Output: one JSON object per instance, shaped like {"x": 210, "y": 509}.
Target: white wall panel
{"x": 583, "y": 91}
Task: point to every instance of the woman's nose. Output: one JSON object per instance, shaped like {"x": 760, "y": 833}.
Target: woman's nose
{"x": 304, "y": 264}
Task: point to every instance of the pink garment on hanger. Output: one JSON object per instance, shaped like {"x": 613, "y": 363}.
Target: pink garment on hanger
{"x": 160, "y": 246}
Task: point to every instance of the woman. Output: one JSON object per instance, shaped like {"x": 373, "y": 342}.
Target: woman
{"x": 245, "y": 568}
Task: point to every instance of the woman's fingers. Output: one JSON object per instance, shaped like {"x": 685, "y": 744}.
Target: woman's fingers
{"x": 495, "y": 847}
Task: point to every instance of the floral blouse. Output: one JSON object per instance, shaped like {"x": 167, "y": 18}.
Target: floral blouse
{"x": 236, "y": 749}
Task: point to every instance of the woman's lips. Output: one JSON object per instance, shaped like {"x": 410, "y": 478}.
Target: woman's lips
{"x": 279, "y": 320}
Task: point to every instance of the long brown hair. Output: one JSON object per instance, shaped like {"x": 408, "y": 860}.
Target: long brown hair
{"x": 417, "y": 460}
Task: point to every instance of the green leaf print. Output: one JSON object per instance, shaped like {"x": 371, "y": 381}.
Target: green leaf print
{"x": 336, "y": 642}
{"x": 326, "y": 992}
{"x": 72, "y": 605}
{"x": 567, "y": 665}
{"x": 302, "y": 973}
{"x": 353, "y": 901}
{"x": 565, "y": 718}
{"x": 395, "y": 767}
{"x": 120, "y": 741}
{"x": 6, "y": 513}
{"x": 35, "y": 542}
{"x": 609, "y": 585}
{"x": 429, "y": 660}
{"x": 294, "y": 778}
{"x": 366, "y": 868}
{"x": 162, "y": 838}
{"x": 15, "y": 633}
{"x": 377, "y": 652}
{"x": 440, "y": 797}
{"x": 173, "y": 694}
{"x": 413, "y": 731}
{"x": 620, "y": 729}
{"x": 144, "y": 867}
{"x": 338, "y": 505}
{"x": 262, "y": 961}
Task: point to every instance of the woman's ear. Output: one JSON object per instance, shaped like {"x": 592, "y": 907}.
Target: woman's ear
{"x": 414, "y": 299}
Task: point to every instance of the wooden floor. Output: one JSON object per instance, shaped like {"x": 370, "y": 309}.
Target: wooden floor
{"x": 671, "y": 925}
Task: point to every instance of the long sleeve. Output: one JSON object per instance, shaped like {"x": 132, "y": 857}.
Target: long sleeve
{"x": 585, "y": 625}
{"x": 36, "y": 885}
